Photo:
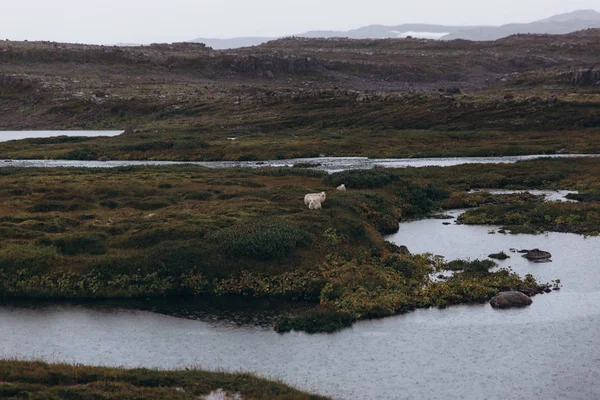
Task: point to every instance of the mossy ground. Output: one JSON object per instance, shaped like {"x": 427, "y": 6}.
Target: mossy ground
{"x": 37, "y": 380}
{"x": 190, "y": 231}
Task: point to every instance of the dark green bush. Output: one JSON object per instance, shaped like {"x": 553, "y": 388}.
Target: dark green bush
{"x": 81, "y": 153}
{"x": 263, "y": 240}
{"x": 385, "y": 223}
{"x": 165, "y": 186}
{"x": 586, "y": 197}
{"x": 146, "y": 146}
{"x": 148, "y": 205}
{"x": 199, "y": 195}
{"x": 28, "y": 257}
{"x": 175, "y": 258}
{"x": 248, "y": 157}
{"x": 154, "y": 236}
{"x": 49, "y": 206}
{"x": 499, "y": 256}
{"x": 314, "y": 322}
{"x": 80, "y": 243}
{"x": 405, "y": 264}
{"x": 190, "y": 144}
{"x": 111, "y": 204}
{"x": 360, "y": 179}
{"x": 475, "y": 266}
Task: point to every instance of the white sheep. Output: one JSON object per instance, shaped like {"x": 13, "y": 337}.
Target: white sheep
{"x": 315, "y": 196}
{"x": 314, "y": 205}
{"x": 341, "y": 188}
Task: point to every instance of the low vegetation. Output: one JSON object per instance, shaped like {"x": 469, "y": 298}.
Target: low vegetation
{"x": 249, "y": 234}
{"x": 499, "y": 256}
{"x": 37, "y": 380}
{"x": 538, "y": 218}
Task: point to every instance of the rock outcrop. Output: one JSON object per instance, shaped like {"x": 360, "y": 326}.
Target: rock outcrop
{"x": 510, "y": 299}
{"x": 537, "y": 254}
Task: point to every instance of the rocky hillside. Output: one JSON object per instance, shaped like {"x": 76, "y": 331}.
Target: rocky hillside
{"x": 513, "y": 83}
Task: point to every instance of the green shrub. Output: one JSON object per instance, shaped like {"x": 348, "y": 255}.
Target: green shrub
{"x": 191, "y": 144}
{"x": 315, "y": 321}
{"x": 586, "y": 197}
{"x": 165, "y": 186}
{"x": 499, "y": 256}
{"x": 151, "y": 237}
{"x": 148, "y": 205}
{"x": 202, "y": 195}
{"x": 49, "y": 206}
{"x": 474, "y": 267}
{"x": 385, "y": 223}
{"x": 28, "y": 257}
{"x": 110, "y": 204}
{"x": 81, "y": 153}
{"x": 360, "y": 179}
{"x": 405, "y": 264}
{"x": 175, "y": 258}
{"x": 263, "y": 240}
{"x": 248, "y": 157}
{"x": 79, "y": 243}
{"x": 148, "y": 145}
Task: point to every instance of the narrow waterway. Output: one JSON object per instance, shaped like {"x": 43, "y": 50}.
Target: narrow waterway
{"x": 549, "y": 350}
{"x": 6, "y": 136}
{"x": 329, "y": 164}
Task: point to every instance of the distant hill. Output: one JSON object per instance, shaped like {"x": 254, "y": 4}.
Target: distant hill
{"x": 557, "y": 24}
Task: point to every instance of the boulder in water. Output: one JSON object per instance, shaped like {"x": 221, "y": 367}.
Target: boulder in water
{"x": 510, "y": 299}
{"x": 537, "y": 254}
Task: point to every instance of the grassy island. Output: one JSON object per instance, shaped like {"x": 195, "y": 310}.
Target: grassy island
{"x": 185, "y": 231}
{"x": 37, "y": 380}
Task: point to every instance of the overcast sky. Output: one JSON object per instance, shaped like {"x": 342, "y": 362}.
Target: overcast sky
{"x": 146, "y": 21}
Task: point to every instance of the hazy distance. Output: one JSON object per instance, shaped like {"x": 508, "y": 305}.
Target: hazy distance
{"x": 147, "y": 21}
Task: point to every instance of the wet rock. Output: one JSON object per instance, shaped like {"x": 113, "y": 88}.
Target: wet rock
{"x": 404, "y": 250}
{"x": 537, "y": 254}
{"x": 510, "y": 299}
{"x": 446, "y": 223}
{"x": 442, "y": 216}
{"x": 530, "y": 291}
{"x": 556, "y": 288}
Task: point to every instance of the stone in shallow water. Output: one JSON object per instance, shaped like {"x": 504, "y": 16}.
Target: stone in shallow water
{"x": 510, "y": 299}
{"x": 537, "y": 254}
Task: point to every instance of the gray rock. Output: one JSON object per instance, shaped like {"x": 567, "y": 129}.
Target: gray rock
{"x": 404, "y": 250}
{"x": 510, "y": 299}
{"x": 537, "y": 254}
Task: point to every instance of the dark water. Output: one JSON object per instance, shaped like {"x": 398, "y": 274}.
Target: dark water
{"x": 5, "y": 136}
{"x": 550, "y": 350}
{"x": 329, "y": 164}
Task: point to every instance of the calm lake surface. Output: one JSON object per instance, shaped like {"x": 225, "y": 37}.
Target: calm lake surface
{"x": 5, "y": 136}
{"x": 550, "y": 350}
